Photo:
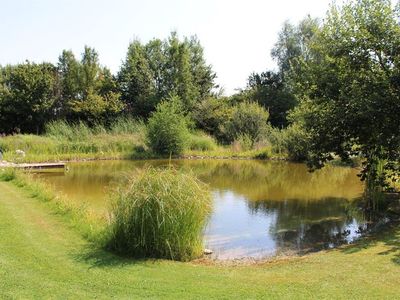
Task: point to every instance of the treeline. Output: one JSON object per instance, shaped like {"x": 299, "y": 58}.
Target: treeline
{"x": 336, "y": 91}
{"x": 82, "y": 89}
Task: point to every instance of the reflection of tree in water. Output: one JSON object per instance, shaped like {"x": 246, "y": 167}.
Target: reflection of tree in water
{"x": 309, "y": 225}
{"x": 258, "y": 180}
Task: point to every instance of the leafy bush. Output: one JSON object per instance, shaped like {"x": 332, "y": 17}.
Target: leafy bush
{"x": 167, "y": 130}
{"x": 247, "y": 119}
{"x": 210, "y": 115}
{"x": 264, "y": 153}
{"x": 161, "y": 214}
{"x": 297, "y": 142}
{"x": 292, "y": 141}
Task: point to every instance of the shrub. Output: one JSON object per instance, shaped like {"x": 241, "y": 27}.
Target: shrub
{"x": 248, "y": 119}
{"x": 292, "y": 141}
{"x": 297, "y": 142}
{"x": 167, "y": 131}
{"x": 210, "y": 115}
{"x": 243, "y": 142}
{"x": 160, "y": 213}
{"x": 202, "y": 142}
{"x": 264, "y": 153}
{"x": 277, "y": 140}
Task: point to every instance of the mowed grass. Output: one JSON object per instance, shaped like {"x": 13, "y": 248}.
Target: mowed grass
{"x": 41, "y": 257}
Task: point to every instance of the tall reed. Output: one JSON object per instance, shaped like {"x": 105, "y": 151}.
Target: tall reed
{"x": 160, "y": 213}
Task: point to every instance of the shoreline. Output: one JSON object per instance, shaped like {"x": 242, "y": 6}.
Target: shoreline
{"x": 5, "y": 164}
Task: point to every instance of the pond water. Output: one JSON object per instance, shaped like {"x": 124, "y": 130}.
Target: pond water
{"x": 261, "y": 208}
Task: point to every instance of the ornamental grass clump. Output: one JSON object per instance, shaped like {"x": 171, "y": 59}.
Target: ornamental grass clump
{"x": 160, "y": 213}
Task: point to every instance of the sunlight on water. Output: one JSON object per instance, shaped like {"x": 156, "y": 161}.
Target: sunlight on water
{"x": 260, "y": 208}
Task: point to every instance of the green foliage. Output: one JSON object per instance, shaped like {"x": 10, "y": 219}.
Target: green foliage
{"x": 275, "y": 90}
{"x": 247, "y": 119}
{"x": 292, "y": 142}
{"x": 294, "y": 42}
{"x": 71, "y": 132}
{"x": 160, "y": 213}
{"x": 350, "y": 91}
{"x": 210, "y": 115}
{"x": 124, "y": 138}
{"x": 297, "y": 142}
{"x": 264, "y": 153}
{"x": 159, "y": 68}
{"x": 82, "y": 90}
{"x": 136, "y": 81}
{"x": 271, "y": 91}
{"x": 128, "y": 125}
{"x": 201, "y": 142}
{"x": 27, "y": 95}
{"x": 167, "y": 129}
{"x": 88, "y": 91}
{"x": 243, "y": 142}
{"x": 7, "y": 174}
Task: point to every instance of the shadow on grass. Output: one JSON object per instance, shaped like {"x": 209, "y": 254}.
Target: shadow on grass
{"x": 96, "y": 257}
{"x": 390, "y": 237}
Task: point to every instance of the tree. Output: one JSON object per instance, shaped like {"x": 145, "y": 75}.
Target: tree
{"x": 158, "y": 69}
{"x": 350, "y": 96}
{"x": 203, "y": 75}
{"x": 271, "y": 92}
{"x": 69, "y": 73}
{"x": 89, "y": 91}
{"x": 179, "y": 79}
{"x": 28, "y": 93}
{"x": 293, "y": 42}
{"x": 137, "y": 81}
{"x": 275, "y": 91}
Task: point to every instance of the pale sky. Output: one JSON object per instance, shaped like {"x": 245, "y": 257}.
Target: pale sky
{"x": 237, "y": 35}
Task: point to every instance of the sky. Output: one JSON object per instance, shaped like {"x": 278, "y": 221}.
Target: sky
{"x": 237, "y": 36}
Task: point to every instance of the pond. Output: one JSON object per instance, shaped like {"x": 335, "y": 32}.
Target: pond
{"x": 261, "y": 208}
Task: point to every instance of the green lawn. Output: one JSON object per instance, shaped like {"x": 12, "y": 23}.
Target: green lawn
{"x": 41, "y": 257}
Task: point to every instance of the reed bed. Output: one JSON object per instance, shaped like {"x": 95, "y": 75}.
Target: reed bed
{"x": 160, "y": 213}
{"x": 124, "y": 138}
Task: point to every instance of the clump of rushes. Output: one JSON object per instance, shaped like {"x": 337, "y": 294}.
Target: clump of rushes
{"x": 160, "y": 213}
{"x": 7, "y": 174}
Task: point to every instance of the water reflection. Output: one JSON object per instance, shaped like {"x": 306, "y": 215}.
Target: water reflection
{"x": 307, "y": 225}
{"x": 260, "y": 208}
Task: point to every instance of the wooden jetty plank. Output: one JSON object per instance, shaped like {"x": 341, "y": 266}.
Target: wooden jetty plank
{"x": 39, "y": 166}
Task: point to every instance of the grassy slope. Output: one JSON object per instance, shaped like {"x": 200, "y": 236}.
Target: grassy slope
{"x": 41, "y": 257}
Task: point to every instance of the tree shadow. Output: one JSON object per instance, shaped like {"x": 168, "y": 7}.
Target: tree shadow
{"x": 389, "y": 237}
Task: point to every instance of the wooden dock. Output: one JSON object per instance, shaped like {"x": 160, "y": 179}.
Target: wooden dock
{"x": 40, "y": 166}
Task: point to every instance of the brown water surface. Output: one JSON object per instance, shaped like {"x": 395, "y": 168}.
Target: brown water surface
{"x": 261, "y": 208}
